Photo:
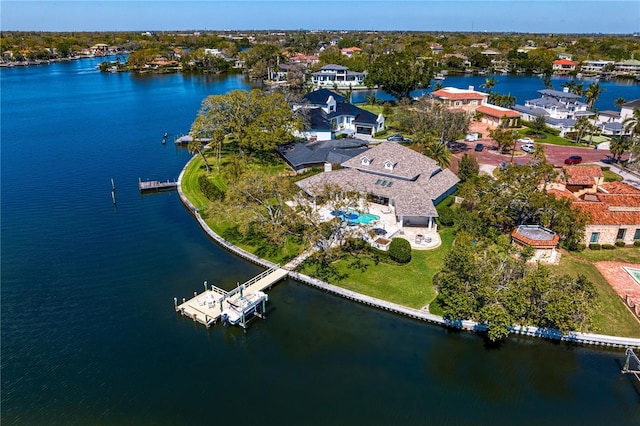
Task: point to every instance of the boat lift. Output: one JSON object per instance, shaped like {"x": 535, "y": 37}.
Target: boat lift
{"x": 631, "y": 364}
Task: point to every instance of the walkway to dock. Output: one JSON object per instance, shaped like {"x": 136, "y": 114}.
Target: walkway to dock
{"x": 154, "y": 185}
{"x": 206, "y": 308}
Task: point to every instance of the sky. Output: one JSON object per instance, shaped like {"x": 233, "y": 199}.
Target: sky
{"x": 524, "y": 16}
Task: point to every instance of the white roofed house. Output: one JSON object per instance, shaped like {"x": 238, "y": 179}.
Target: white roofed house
{"x": 404, "y": 182}
{"x": 328, "y": 113}
{"x": 560, "y": 109}
{"x": 337, "y": 76}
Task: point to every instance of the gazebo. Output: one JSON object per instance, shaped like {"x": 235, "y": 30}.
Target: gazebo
{"x": 544, "y": 242}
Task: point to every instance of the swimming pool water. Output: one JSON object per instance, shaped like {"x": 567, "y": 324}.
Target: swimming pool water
{"x": 355, "y": 217}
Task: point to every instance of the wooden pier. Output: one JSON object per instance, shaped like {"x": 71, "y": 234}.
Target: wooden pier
{"x": 157, "y": 186}
{"x": 206, "y": 308}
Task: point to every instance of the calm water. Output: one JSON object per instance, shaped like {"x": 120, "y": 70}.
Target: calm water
{"x": 525, "y": 88}
{"x": 89, "y": 335}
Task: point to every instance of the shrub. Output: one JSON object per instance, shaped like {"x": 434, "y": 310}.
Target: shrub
{"x": 620, "y": 243}
{"x": 446, "y": 216}
{"x": 580, "y": 247}
{"x": 210, "y": 189}
{"x": 380, "y": 133}
{"x": 605, "y": 168}
{"x": 608, "y": 247}
{"x": 400, "y": 250}
{"x": 595, "y": 246}
{"x": 636, "y": 243}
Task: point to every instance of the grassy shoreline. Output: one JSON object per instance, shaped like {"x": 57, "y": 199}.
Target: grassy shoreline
{"x": 411, "y": 285}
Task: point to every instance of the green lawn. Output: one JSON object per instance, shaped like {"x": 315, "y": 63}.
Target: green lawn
{"x": 409, "y": 285}
{"x": 610, "y": 316}
{"x": 190, "y": 185}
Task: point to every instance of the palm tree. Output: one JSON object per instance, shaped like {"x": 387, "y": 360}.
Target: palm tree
{"x": 508, "y": 101}
{"x": 489, "y": 84}
{"x": 438, "y": 152}
{"x": 195, "y": 147}
{"x": 591, "y": 94}
{"x": 632, "y": 126}
{"x": 619, "y": 102}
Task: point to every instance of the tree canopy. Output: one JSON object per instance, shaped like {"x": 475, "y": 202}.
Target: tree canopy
{"x": 259, "y": 121}
{"x": 484, "y": 283}
{"x": 399, "y": 73}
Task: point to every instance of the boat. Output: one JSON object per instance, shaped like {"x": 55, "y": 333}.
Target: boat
{"x": 165, "y": 135}
{"x": 243, "y": 308}
{"x": 439, "y": 76}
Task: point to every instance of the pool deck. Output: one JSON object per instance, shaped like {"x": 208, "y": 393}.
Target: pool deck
{"x": 620, "y": 280}
{"x": 430, "y": 238}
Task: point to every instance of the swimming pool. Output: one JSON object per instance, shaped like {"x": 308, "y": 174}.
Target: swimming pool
{"x": 356, "y": 218}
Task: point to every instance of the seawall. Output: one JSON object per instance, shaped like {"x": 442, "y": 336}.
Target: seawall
{"x": 417, "y": 314}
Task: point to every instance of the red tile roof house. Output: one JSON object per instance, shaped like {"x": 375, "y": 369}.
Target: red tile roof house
{"x": 564, "y": 66}
{"x": 544, "y": 242}
{"x": 613, "y": 208}
{"x": 464, "y": 99}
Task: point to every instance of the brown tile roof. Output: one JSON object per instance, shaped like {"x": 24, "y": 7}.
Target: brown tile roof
{"x": 407, "y": 163}
{"x": 412, "y": 196}
{"x": 535, "y": 236}
{"x": 497, "y": 111}
{"x": 458, "y": 94}
{"x": 620, "y": 188}
{"x": 582, "y": 175}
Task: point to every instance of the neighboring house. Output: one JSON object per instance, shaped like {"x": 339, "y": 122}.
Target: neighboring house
{"x": 613, "y": 208}
{"x": 609, "y": 123}
{"x": 463, "y": 99}
{"x": 494, "y": 115}
{"x": 630, "y": 67}
{"x": 350, "y": 51}
{"x": 612, "y": 122}
{"x": 564, "y": 66}
{"x": 595, "y": 66}
{"x": 304, "y": 155}
{"x": 304, "y": 59}
{"x": 390, "y": 174}
{"x": 560, "y": 109}
{"x": 327, "y": 113}
{"x": 337, "y": 76}
{"x": 472, "y": 101}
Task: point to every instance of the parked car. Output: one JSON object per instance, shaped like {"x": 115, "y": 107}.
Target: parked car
{"x": 528, "y": 147}
{"x": 396, "y": 137}
{"x": 574, "y": 159}
{"x": 478, "y": 147}
{"x": 525, "y": 140}
{"x": 471, "y": 137}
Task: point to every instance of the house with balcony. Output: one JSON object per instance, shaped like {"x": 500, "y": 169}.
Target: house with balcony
{"x": 560, "y": 109}
{"x": 473, "y": 101}
{"x": 630, "y": 67}
{"x": 326, "y": 114}
{"x": 460, "y": 99}
{"x": 612, "y": 122}
{"x": 337, "y": 76}
{"x": 597, "y": 66}
{"x": 563, "y": 66}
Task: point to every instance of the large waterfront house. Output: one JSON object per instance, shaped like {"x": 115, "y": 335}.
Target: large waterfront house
{"x": 337, "y": 76}
{"x": 460, "y": 99}
{"x": 612, "y": 209}
{"x": 563, "y": 66}
{"x": 326, "y": 113}
{"x": 560, "y": 109}
{"x": 475, "y": 102}
{"x": 612, "y": 122}
{"x": 406, "y": 182}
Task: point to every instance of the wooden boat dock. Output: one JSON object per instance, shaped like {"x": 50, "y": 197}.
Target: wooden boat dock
{"x": 157, "y": 186}
{"x": 206, "y": 308}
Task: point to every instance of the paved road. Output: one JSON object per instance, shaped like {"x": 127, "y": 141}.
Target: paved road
{"x": 556, "y": 154}
{"x": 489, "y": 158}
